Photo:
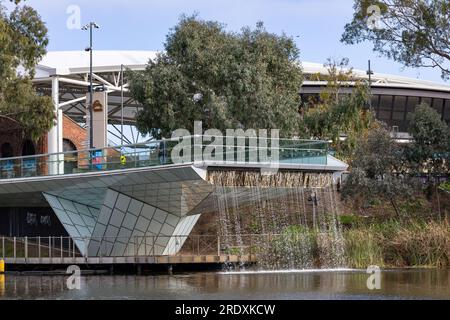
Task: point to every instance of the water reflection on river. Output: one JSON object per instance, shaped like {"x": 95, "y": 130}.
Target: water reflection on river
{"x": 395, "y": 284}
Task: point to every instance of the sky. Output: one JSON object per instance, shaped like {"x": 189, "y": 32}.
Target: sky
{"x": 316, "y": 26}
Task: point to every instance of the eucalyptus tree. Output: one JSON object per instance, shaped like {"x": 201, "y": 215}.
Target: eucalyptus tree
{"x": 415, "y": 33}
{"x": 246, "y": 79}
{"x": 337, "y": 114}
{"x": 23, "y": 41}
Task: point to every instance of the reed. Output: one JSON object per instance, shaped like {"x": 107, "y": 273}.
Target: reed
{"x": 412, "y": 243}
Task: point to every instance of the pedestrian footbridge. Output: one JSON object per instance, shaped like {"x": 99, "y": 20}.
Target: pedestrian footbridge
{"x": 143, "y": 199}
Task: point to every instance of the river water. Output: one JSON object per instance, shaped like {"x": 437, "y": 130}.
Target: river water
{"x": 324, "y": 284}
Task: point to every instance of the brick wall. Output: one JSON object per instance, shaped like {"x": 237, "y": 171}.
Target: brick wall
{"x": 73, "y": 132}
{"x": 11, "y": 133}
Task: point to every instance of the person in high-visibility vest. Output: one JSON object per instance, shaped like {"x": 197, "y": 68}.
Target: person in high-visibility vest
{"x": 123, "y": 160}
{"x": 2, "y": 266}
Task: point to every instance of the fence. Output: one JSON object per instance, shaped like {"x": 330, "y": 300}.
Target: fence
{"x": 148, "y": 246}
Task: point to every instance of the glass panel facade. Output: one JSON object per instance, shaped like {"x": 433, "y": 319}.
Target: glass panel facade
{"x": 394, "y": 110}
{"x": 399, "y": 108}
{"x": 437, "y": 105}
{"x": 412, "y": 103}
{"x": 385, "y": 109}
{"x": 426, "y": 100}
{"x": 447, "y": 111}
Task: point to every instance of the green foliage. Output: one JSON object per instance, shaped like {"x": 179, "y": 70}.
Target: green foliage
{"x": 412, "y": 32}
{"x": 335, "y": 115}
{"x": 23, "y": 39}
{"x": 348, "y": 220}
{"x": 375, "y": 170}
{"x": 226, "y": 80}
{"x": 445, "y": 186}
{"x": 429, "y": 153}
{"x": 362, "y": 249}
{"x": 394, "y": 243}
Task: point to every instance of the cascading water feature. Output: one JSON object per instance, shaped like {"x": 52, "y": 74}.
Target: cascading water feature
{"x": 288, "y": 219}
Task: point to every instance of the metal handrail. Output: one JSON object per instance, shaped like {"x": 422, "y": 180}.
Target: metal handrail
{"x": 156, "y": 153}
{"x": 142, "y": 145}
{"x": 55, "y": 247}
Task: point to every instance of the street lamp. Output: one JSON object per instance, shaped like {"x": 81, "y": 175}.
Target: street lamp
{"x": 89, "y": 27}
{"x": 370, "y": 73}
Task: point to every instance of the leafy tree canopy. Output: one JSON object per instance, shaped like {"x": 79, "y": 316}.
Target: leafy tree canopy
{"x": 23, "y": 39}
{"x": 336, "y": 115}
{"x": 429, "y": 153}
{"x": 249, "y": 79}
{"x": 415, "y": 33}
{"x": 376, "y": 169}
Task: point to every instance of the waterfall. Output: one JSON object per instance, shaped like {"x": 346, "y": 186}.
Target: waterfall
{"x": 289, "y": 220}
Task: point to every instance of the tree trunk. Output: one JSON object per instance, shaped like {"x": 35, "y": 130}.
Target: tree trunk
{"x": 395, "y": 207}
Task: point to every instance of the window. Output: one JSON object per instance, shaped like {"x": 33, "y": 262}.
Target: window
{"x": 447, "y": 111}
{"x": 375, "y": 99}
{"x": 426, "y": 101}
{"x": 385, "y": 108}
{"x": 399, "y": 108}
{"x": 70, "y": 159}
{"x": 28, "y": 148}
{"x": 412, "y": 103}
{"x": 437, "y": 105}
{"x": 7, "y": 150}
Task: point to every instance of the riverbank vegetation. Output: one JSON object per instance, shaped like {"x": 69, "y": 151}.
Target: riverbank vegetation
{"x": 398, "y": 243}
{"x": 398, "y": 197}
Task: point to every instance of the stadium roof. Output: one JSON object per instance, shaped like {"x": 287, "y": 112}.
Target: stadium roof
{"x": 72, "y": 68}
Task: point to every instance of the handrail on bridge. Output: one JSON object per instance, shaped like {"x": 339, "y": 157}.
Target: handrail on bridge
{"x": 155, "y": 153}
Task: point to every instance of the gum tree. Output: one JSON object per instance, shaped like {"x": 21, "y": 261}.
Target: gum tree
{"x": 415, "y": 33}
{"x": 249, "y": 79}
{"x": 335, "y": 115}
{"x": 376, "y": 170}
{"x": 429, "y": 152}
{"x": 23, "y": 39}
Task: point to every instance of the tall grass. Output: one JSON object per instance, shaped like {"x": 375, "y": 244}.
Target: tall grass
{"x": 362, "y": 249}
{"x": 398, "y": 244}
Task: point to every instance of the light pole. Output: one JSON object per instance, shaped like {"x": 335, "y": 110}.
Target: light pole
{"x": 370, "y": 73}
{"x": 89, "y": 27}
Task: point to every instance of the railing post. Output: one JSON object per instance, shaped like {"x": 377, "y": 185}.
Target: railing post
{"x": 153, "y": 246}
{"x": 50, "y": 247}
{"x": 198, "y": 245}
{"x": 145, "y": 244}
{"x": 136, "y": 249}
{"x": 39, "y": 248}
{"x": 218, "y": 246}
{"x": 14, "y": 247}
{"x": 26, "y": 247}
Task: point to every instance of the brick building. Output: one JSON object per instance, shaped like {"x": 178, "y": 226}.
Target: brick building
{"x": 14, "y": 142}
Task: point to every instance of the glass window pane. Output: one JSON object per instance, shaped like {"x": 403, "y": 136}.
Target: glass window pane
{"x": 374, "y": 102}
{"x": 426, "y": 100}
{"x": 399, "y": 103}
{"x": 386, "y": 103}
{"x": 413, "y": 102}
{"x": 437, "y": 105}
{"x": 447, "y": 110}
{"x": 398, "y": 115}
{"x": 384, "y": 115}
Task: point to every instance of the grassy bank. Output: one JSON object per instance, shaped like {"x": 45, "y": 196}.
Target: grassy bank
{"x": 392, "y": 243}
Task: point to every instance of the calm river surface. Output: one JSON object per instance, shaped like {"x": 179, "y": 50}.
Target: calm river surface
{"x": 395, "y": 284}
